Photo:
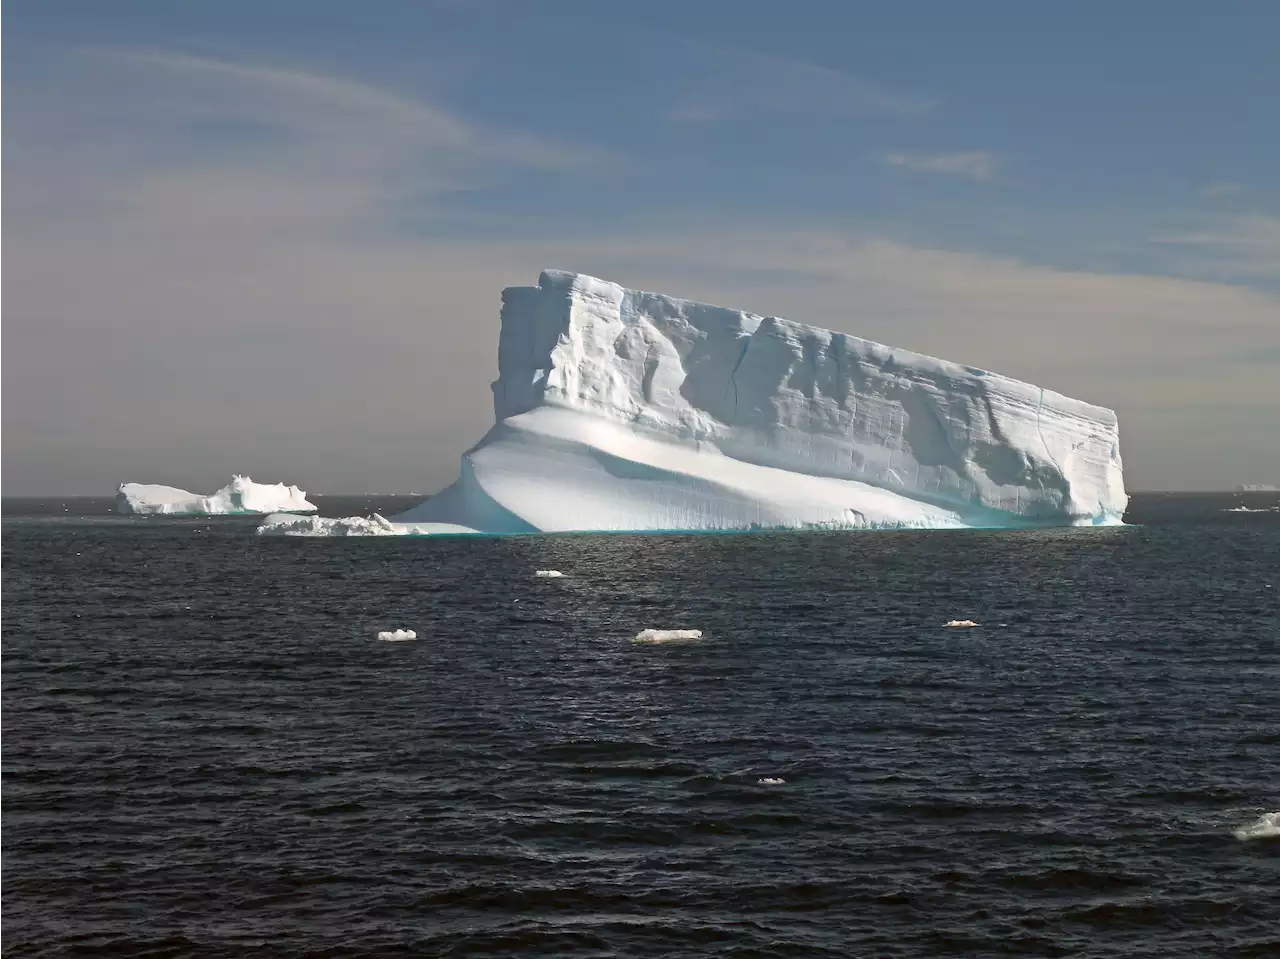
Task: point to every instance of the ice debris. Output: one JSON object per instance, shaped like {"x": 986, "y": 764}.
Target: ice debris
{"x": 397, "y": 635}
{"x": 667, "y": 635}
{"x": 283, "y": 524}
{"x": 549, "y": 573}
{"x": 1267, "y": 827}
{"x": 771, "y": 781}
{"x": 961, "y": 623}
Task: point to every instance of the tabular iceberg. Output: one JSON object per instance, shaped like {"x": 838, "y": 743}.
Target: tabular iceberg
{"x": 241, "y": 496}
{"x": 621, "y": 410}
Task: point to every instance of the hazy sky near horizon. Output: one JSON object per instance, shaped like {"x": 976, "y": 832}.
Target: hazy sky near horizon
{"x": 271, "y": 237}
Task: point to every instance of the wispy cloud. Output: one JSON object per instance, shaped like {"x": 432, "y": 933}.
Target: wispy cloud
{"x": 975, "y": 165}
{"x": 1245, "y": 246}
{"x": 322, "y": 105}
{"x": 217, "y": 148}
{"x": 729, "y": 83}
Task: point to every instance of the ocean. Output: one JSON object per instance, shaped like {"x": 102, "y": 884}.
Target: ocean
{"x": 207, "y": 752}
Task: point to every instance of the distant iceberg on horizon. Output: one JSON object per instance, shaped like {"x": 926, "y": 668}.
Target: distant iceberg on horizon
{"x": 242, "y": 496}
{"x": 619, "y": 410}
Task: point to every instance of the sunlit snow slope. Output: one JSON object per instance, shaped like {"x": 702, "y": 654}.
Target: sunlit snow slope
{"x": 622, "y": 410}
{"x": 241, "y": 496}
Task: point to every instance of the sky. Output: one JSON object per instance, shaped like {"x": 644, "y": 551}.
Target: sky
{"x": 271, "y": 237}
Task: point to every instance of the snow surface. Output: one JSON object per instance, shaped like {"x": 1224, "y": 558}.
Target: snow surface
{"x": 241, "y": 496}
{"x": 621, "y": 410}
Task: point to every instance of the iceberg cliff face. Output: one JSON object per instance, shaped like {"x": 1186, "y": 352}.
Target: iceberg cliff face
{"x": 622, "y": 410}
{"x": 241, "y": 496}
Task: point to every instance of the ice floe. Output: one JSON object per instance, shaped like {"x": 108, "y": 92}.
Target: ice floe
{"x": 654, "y": 636}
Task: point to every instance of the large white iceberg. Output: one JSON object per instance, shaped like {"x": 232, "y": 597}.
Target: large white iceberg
{"x": 241, "y": 496}
{"x": 621, "y": 410}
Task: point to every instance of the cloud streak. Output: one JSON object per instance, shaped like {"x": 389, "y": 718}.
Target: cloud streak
{"x": 972, "y": 165}
{"x": 728, "y": 83}
{"x": 1234, "y": 247}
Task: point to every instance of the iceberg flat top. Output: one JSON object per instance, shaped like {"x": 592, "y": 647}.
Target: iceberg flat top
{"x": 623, "y": 410}
{"x": 241, "y": 496}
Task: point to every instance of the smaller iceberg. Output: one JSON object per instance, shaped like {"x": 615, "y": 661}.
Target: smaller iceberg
{"x": 242, "y": 496}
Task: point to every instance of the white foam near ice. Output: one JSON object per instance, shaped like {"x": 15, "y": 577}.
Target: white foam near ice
{"x": 1267, "y": 827}
{"x": 549, "y": 573}
{"x": 241, "y": 496}
{"x": 619, "y": 410}
{"x": 397, "y": 635}
{"x": 655, "y": 636}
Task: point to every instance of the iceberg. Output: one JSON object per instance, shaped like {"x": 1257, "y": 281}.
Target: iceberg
{"x": 241, "y": 496}
{"x": 620, "y": 410}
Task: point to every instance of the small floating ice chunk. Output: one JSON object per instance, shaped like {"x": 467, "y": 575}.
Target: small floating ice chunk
{"x": 397, "y": 635}
{"x": 1267, "y": 827}
{"x": 549, "y": 573}
{"x": 962, "y": 623}
{"x": 667, "y": 635}
{"x": 771, "y": 781}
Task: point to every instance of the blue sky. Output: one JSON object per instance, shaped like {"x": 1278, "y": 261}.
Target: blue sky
{"x": 324, "y": 199}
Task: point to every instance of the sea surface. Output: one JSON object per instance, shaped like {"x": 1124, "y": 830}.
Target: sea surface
{"x": 207, "y": 752}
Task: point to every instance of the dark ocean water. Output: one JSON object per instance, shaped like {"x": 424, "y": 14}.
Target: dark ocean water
{"x": 207, "y": 753}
